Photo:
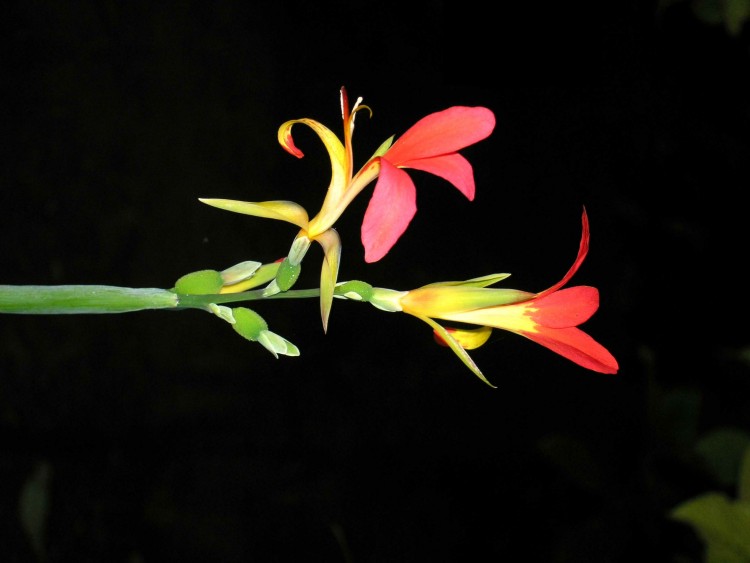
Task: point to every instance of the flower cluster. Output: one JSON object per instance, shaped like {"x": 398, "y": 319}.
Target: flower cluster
{"x": 550, "y": 318}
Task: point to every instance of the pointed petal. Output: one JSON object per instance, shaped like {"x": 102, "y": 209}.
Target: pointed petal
{"x": 240, "y": 272}
{"x": 282, "y": 210}
{"x": 483, "y": 281}
{"x": 451, "y": 167}
{"x": 263, "y": 275}
{"x": 443, "y": 132}
{"x": 583, "y": 249}
{"x": 571, "y": 306}
{"x": 577, "y": 346}
{"x": 331, "y": 243}
{"x": 453, "y": 344}
{"x": 391, "y": 208}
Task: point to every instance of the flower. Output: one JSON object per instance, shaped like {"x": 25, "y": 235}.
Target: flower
{"x": 430, "y": 145}
{"x": 550, "y": 317}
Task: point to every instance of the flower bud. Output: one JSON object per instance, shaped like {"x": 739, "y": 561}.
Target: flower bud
{"x": 203, "y": 282}
{"x": 287, "y": 274}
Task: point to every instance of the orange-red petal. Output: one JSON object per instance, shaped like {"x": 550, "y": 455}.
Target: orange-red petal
{"x": 574, "y": 344}
{"x": 451, "y": 167}
{"x": 391, "y": 209}
{"x": 443, "y": 132}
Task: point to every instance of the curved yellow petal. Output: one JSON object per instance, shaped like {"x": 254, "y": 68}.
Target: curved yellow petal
{"x": 331, "y": 243}
{"x": 470, "y": 338}
{"x": 340, "y": 167}
{"x": 282, "y": 210}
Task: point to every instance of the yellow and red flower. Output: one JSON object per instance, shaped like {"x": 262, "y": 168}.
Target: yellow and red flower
{"x": 430, "y": 145}
{"x": 550, "y": 317}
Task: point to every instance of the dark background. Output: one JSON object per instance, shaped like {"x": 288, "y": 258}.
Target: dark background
{"x": 163, "y": 436}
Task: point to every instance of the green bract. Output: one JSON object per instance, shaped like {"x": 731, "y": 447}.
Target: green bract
{"x": 202, "y": 282}
{"x": 287, "y": 274}
{"x": 248, "y": 323}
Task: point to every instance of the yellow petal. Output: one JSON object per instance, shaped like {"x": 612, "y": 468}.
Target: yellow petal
{"x": 282, "y": 210}
{"x": 457, "y": 349}
{"x": 471, "y": 338}
{"x": 331, "y": 243}
{"x": 339, "y": 163}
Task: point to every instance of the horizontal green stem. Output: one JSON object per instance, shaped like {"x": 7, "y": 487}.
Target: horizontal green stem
{"x": 102, "y": 299}
{"x": 81, "y": 299}
{"x": 202, "y": 301}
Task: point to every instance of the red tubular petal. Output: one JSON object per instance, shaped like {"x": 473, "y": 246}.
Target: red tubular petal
{"x": 443, "y": 132}
{"x": 391, "y": 209}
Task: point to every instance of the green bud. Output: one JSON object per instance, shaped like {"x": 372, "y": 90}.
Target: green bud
{"x": 203, "y": 282}
{"x": 287, "y": 274}
{"x": 355, "y": 290}
{"x": 251, "y": 325}
{"x": 248, "y": 323}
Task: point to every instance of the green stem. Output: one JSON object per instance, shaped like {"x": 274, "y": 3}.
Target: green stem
{"x": 96, "y": 299}
{"x": 81, "y": 299}
{"x": 202, "y": 301}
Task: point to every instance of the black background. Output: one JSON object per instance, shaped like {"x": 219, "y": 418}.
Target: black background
{"x": 161, "y": 436}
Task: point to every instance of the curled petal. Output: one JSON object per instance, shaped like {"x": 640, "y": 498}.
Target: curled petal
{"x": 583, "y": 249}
{"x": 391, "y": 209}
{"x": 282, "y": 210}
{"x": 340, "y": 163}
{"x": 443, "y": 132}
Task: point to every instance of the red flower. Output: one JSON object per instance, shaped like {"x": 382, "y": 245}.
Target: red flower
{"x": 430, "y": 145}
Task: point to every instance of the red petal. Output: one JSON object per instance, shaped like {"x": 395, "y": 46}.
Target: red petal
{"x": 451, "y": 167}
{"x": 577, "y": 346}
{"x": 567, "y": 307}
{"x": 391, "y": 209}
{"x": 443, "y": 132}
{"x": 583, "y": 249}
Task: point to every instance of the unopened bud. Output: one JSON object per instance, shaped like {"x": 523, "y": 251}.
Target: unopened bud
{"x": 203, "y": 282}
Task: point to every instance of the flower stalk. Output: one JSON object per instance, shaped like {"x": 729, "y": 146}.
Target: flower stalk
{"x": 550, "y": 318}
